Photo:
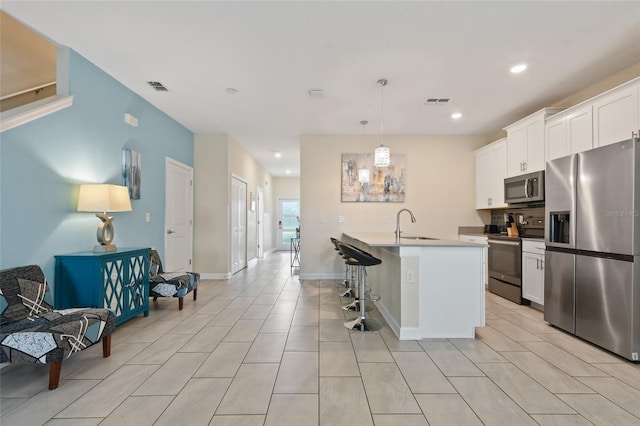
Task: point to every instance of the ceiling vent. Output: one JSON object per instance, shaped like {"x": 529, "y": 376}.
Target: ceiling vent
{"x": 159, "y": 87}
{"x": 437, "y": 101}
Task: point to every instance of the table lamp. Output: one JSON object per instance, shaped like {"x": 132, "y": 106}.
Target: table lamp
{"x": 103, "y": 198}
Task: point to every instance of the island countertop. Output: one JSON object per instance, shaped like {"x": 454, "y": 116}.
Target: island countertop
{"x": 388, "y": 239}
{"x": 427, "y": 288}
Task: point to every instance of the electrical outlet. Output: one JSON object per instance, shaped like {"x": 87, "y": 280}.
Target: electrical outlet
{"x": 385, "y": 219}
{"x": 340, "y": 219}
{"x": 323, "y": 219}
{"x": 411, "y": 276}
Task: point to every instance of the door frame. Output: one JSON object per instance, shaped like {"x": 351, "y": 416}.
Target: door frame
{"x": 244, "y": 263}
{"x": 170, "y": 162}
{"x": 260, "y": 224}
{"x": 279, "y": 245}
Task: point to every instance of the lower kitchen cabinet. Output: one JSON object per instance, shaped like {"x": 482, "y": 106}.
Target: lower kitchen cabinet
{"x": 479, "y": 239}
{"x": 533, "y": 271}
{"x": 117, "y": 280}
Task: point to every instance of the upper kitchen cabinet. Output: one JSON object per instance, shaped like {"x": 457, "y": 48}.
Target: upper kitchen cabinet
{"x": 526, "y": 141}
{"x": 616, "y": 114}
{"x": 569, "y": 132}
{"x": 491, "y": 169}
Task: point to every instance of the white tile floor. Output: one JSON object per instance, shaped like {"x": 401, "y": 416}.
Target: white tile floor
{"x": 266, "y": 349}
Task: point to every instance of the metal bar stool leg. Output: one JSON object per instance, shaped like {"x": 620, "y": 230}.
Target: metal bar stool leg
{"x": 349, "y": 282}
{"x": 359, "y": 323}
{"x": 355, "y": 305}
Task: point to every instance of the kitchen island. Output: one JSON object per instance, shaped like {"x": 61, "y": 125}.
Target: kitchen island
{"x": 428, "y": 288}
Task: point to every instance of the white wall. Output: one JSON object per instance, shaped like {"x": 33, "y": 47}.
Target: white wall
{"x": 245, "y": 167}
{"x": 440, "y": 191}
{"x": 217, "y": 157}
{"x": 211, "y": 235}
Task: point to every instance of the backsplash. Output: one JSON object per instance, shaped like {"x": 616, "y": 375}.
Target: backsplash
{"x": 530, "y": 215}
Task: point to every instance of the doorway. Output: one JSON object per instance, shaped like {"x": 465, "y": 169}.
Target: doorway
{"x": 288, "y": 221}
{"x": 238, "y": 224}
{"x": 178, "y": 237}
{"x": 260, "y": 238}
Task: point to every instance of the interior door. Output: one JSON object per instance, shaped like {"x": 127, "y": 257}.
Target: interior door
{"x": 178, "y": 247}
{"x": 288, "y": 221}
{"x": 260, "y": 238}
{"x": 238, "y": 224}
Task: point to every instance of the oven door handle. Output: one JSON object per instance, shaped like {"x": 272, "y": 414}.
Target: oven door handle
{"x": 505, "y": 243}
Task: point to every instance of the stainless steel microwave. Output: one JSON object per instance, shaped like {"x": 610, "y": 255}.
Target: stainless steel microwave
{"x": 527, "y": 188}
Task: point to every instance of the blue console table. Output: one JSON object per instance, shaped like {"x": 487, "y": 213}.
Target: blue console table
{"x": 117, "y": 280}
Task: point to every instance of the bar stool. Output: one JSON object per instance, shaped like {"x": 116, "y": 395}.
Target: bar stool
{"x": 359, "y": 259}
{"x": 348, "y": 282}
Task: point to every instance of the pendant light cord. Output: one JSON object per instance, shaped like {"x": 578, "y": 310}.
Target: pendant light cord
{"x": 382, "y": 82}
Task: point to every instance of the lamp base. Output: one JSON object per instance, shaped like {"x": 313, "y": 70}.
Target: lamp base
{"x": 99, "y": 248}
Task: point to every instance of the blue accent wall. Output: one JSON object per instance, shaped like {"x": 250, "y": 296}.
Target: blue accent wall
{"x": 43, "y": 162}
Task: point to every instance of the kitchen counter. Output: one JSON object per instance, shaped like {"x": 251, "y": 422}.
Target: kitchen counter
{"x": 378, "y": 239}
{"x": 427, "y": 288}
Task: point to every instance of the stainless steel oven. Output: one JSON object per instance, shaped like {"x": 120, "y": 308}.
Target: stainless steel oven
{"x": 505, "y": 267}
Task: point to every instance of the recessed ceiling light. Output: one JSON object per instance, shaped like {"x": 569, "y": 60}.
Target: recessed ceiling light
{"x": 518, "y": 68}
{"x": 277, "y": 154}
{"x": 231, "y": 90}
{"x": 456, "y": 115}
{"x": 288, "y": 172}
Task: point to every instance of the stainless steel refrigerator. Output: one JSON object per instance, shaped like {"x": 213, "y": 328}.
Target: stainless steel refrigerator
{"x": 592, "y": 235}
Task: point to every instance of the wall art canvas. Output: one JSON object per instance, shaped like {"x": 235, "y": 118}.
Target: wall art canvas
{"x": 362, "y": 181}
{"x": 132, "y": 172}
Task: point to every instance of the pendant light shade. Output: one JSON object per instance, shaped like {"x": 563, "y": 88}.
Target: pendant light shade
{"x": 382, "y": 157}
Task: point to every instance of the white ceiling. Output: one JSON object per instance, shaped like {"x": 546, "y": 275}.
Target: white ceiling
{"x": 273, "y": 53}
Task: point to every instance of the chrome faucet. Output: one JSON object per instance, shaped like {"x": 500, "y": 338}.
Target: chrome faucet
{"x": 413, "y": 220}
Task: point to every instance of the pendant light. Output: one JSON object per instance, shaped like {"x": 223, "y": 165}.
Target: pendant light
{"x": 382, "y": 154}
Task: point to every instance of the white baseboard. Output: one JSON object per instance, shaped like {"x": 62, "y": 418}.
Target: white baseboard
{"x": 215, "y": 276}
{"x": 322, "y": 276}
{"x": 388, "y": 318}
{"x": 402, "y": 333}
{"x": 252, "y": 262}
{"x": 410, "y": 333}
{"x": 268, "y": 252}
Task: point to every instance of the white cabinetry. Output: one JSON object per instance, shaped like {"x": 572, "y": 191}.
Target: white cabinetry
{"x": 491, "y": 169}
{"x": 616, "y": 114}
{"x": 525, "y": 143}
{"x": 480, "y": 239}
{"x": 604, "y": 119}
{"x": 569, "y": 132}
{"x": 533, "y": 271}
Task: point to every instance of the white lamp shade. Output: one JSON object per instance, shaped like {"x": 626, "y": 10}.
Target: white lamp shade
{"x": 103, "y": 198}
{"x": 382, "y": 156}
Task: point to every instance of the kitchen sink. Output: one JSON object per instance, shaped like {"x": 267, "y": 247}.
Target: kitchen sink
{"x": 416, "y": 237}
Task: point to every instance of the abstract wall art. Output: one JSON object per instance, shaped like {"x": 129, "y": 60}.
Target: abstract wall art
{"x": 362, "y": 181}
